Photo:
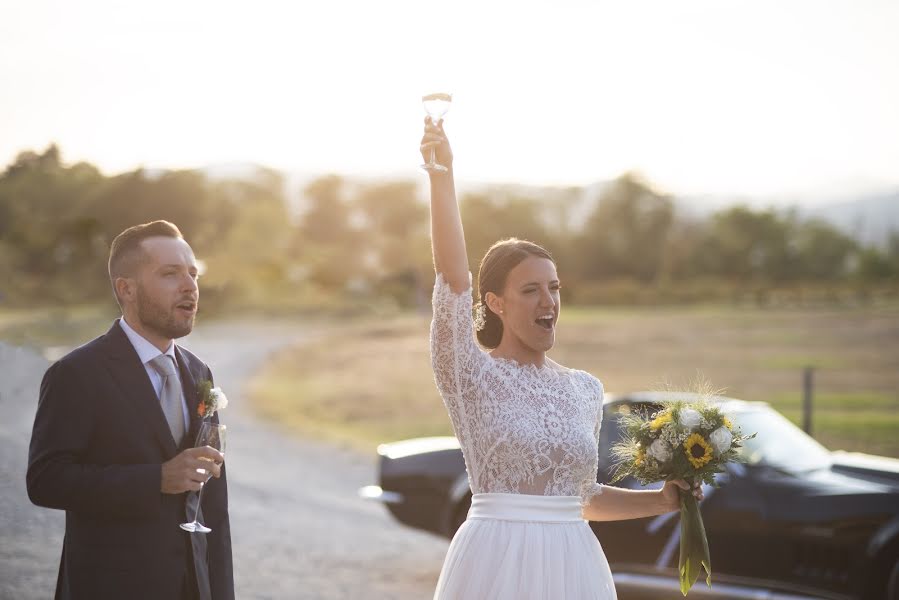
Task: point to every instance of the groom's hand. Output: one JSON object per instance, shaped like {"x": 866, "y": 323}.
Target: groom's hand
{"x": 187, "y": 471}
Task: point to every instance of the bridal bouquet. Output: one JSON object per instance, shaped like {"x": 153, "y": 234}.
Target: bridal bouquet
{"x": 688, "y": 439}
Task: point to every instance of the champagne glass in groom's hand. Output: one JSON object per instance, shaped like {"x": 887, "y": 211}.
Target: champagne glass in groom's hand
{"x": 213, "y": 436}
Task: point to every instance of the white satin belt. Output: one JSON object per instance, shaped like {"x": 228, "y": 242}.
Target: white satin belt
{"x": 526, "y": 507}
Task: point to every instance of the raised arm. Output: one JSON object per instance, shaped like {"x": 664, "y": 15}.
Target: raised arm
{"x": 455, "y": 356}
{"x": 447, "y": 237}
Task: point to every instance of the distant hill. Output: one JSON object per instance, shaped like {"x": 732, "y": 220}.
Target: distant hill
{"x": 866, "y": 217}
{"x": 869, "y": 220}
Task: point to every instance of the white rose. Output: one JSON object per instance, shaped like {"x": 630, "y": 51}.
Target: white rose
{"x": 721, "y": 439}
{"x": 219, "y": 397}
{"x": 689, "y": 419}
{"x": 660, "y": 451}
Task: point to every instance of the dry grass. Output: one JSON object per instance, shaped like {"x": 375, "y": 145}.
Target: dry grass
{"x": 366, "y": 384}
{"x": 373, "y": 382}
{"x": 52, "y": 326}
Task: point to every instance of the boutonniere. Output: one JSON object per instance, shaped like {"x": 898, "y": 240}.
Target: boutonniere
{"x": 212, "y": 399}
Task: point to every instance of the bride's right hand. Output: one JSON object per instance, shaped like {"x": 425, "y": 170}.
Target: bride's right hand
{"x": 435, "y": 137}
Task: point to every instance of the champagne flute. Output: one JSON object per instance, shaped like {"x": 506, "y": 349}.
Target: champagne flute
{"x": 436, "y": 105}
{"x": 213, "y": 435}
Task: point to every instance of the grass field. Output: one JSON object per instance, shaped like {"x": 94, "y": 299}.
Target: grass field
{"x": 47, "y": 327}
{"x": 371, "y": 382}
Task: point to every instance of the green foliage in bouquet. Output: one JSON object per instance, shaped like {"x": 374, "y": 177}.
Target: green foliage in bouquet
{"x": 688, "y": 438}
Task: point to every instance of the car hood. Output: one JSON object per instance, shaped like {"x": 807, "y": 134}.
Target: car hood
{"x": 830, "y": 492}
{"x": 877, "y": 469}
{"x": 834, "y": 482}
{"x": 415, "y": 446}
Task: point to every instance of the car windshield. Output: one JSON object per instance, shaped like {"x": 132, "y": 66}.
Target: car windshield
{"x": 779, "y": 442}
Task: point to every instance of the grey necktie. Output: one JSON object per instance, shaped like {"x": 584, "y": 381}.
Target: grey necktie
{"x": 170, "y": 398}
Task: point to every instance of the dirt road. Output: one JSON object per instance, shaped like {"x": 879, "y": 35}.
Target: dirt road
{"x": 299, "y": 530}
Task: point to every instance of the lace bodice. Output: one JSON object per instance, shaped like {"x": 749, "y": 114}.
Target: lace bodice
{"x": 523, "y": 429}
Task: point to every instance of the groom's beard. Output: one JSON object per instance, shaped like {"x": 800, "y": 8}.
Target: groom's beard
{"x": 161, "y": 320}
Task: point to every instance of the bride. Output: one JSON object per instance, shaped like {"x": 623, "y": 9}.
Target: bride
{"x": 528, "y": 426}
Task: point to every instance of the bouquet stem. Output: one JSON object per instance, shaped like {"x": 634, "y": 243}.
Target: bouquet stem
{"x": 694, "y": 547}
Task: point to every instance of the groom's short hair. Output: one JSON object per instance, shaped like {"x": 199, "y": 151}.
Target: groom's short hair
{"x": 126, "y": 255}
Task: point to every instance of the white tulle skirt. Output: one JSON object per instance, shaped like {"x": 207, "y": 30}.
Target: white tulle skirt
{"x": 524, "y": 547}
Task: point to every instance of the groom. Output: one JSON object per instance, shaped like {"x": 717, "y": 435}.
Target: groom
{"x": 113, "y": 436}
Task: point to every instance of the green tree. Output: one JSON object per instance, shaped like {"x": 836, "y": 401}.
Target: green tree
{"x": 53, "y": 243}
{"x": 181, "y": 197}
{"x": 327, "y": 218}
{"x": 744, "y": 245}
{"x": 245, "y": 242}
{"x": 627, "y": 234}
{"x": 326, "y": 241}
{"x": 490, "y": 217}
{"x": 875, "y": 265}
{"x": 823, "y": 252}
{"x": 396, "y": 235}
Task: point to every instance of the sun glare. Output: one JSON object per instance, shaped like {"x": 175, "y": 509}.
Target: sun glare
{"x": 757, "y": 98}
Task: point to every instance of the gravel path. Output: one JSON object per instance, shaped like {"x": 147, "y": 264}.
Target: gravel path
{"x": 299, "y": 530}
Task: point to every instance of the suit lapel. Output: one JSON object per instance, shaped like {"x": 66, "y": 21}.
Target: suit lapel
{"x": 191, "y": 396}
{"x": 131, "y": 376}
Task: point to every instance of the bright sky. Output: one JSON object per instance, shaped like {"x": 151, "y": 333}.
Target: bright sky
{"x": 759, "y": 97}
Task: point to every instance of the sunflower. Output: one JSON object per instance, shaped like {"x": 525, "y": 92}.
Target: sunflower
{"x": 660, "y": 421}
{"x": 698, "y": 450}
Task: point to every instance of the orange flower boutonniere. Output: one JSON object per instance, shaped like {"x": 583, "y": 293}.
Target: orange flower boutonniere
{"x": 212, "y": 400}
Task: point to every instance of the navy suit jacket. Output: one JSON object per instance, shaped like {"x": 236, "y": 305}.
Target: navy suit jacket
{"x": 97, "y": 446}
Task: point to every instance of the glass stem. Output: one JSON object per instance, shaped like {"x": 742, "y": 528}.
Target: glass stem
{"x": 199, "y": 497}
{"x": 433, "y": 160}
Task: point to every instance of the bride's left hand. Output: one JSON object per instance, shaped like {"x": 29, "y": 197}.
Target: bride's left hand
{"x": 671, "y": 493}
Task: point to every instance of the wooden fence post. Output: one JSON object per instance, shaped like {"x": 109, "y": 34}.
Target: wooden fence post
{"x": 807, "y": 393}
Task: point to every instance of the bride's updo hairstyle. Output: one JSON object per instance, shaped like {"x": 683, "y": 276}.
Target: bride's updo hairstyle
{"x": 502, "y": 257}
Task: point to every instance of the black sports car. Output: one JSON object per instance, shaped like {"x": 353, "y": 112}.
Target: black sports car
{"x": 795, "y": 521}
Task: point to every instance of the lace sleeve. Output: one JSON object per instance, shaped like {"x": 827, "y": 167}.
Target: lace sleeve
{"x": 456, "y": 357}
{"x": 596, "y": 488}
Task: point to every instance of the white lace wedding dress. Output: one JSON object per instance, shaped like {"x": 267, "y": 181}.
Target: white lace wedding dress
{"x": 529, "y": 437}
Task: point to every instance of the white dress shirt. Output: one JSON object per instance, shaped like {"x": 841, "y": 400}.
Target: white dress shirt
{"x": 147, "y": 352}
